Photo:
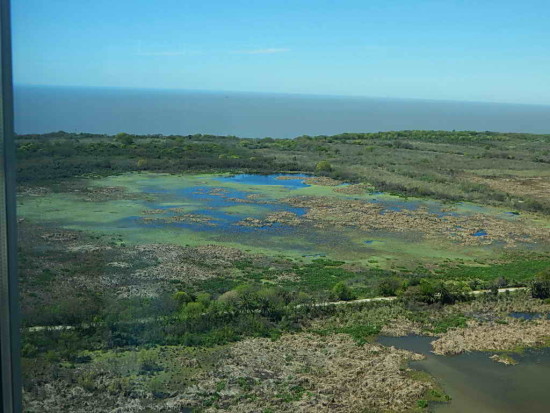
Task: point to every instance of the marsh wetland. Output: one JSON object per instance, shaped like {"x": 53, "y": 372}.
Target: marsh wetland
{"x": 199, "y": 273}
{"x": 286, "y": 214}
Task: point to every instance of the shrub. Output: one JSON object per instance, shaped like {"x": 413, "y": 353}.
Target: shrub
{"x": 540, "y": 287}
{"x": 442, "y": 292}
{"x": 342, "y": 292}
{"x": 204, "y": 299}
{"x": 193, "y": 310}
{"x": 148, "y": 361}
{"x": 323, "y": 166}
{"x": 182, "y": 298}
{"x": 389, "y": 286}
{"x": 124, "y": 138}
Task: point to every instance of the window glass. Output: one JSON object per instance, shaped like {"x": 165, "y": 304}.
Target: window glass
{"x": 283, "y": 206}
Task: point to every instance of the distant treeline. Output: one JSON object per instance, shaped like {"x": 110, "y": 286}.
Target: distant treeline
{"x": 63, "y": 155}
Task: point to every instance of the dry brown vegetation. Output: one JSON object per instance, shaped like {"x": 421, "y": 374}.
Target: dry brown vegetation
{"x": 311, "y": 373}
{"x": 327, "y": 212}
{"x": 494, "y": 336}
{"x": 534, "y": 187}
{"x": 171, "y": 262}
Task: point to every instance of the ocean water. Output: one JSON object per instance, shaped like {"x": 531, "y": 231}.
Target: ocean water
{"x": 40, "y": 109}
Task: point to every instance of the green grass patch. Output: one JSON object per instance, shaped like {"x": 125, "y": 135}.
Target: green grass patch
{"x": 361, "y": 334}
{"x": 519, "y": 269}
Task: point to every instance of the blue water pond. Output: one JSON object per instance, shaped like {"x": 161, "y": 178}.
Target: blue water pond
{"x": 252, "y": 179}
{"x": 211, "y": 203}
{"x": 480, "y": 233}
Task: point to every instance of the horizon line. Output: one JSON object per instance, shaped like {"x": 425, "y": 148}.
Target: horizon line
{"x": 333, "y": 95}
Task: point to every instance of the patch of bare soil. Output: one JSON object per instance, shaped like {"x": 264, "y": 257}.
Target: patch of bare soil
{"x": 309, "y": 373}
{"x": 59, "y": 236}
{"x": 322, "y": 181}
{"x": 493, "y": 336}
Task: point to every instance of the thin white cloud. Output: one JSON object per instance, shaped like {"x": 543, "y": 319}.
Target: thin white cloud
{"x": 263, "y": 51}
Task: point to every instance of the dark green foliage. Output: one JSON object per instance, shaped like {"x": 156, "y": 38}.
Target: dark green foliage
{"x": 389, "y": 286}
{"x": 182, "y": 298}
{"x": 540, "y": 287}
{"x": 50, "y": 158}
{"x": 452, "y": 321}
{"x": 435, "y": 291}
{"x": 320, "y": 276}
{"x": 516, "y": 271}
{"x": 124, "y": 138}
{"x": 342, "y": 292}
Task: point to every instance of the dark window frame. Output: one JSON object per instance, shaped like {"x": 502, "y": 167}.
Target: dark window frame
{"x": 10, "y": 391}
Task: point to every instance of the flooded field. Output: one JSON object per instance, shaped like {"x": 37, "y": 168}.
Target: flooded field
{"x": 476, "y": 383}
{"x": 294, "y": 215}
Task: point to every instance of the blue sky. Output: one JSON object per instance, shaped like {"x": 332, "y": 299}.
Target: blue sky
{"x": 486, "y": 50}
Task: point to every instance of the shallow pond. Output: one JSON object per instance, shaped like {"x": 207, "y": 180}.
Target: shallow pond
{"x": 528, "y": 316}
{"x": 273, "y": 179}
{"x": 476, "y": 383}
